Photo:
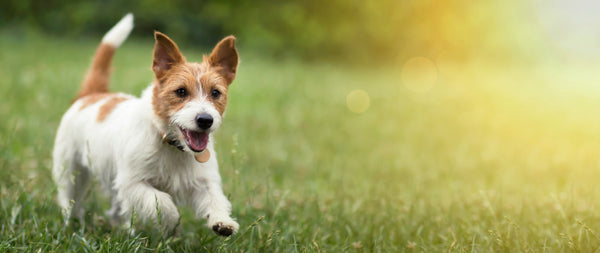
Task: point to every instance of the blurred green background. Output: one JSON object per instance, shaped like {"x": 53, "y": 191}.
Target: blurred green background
{"x": 367, "y": 126}
{"x": 356, "y": 31}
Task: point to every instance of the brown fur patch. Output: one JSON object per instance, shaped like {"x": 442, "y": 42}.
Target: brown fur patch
{"x": 97, "y": 78}
{"x": 213, "y": 81}
{"x": 165, "y": 100}
{"x": 92, "y": 99}
{"x": 109, "y": 106}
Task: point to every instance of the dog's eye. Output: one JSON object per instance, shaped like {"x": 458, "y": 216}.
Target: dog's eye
{"x": 181, "y": 92}
{"x": 215, "y": 93}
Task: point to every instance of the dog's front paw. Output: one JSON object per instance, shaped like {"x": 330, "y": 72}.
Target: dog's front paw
{"x": 170, "y": 223}
{"x": 225, "y": 227}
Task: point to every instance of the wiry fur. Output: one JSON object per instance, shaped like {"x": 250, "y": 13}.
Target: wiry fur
{"x": 117, "y": 138}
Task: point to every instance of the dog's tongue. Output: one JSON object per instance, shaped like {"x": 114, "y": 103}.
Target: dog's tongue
{"x": 196, "y": 140}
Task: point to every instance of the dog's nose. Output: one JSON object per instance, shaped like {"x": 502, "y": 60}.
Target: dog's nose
{"x": 204, "y": 121}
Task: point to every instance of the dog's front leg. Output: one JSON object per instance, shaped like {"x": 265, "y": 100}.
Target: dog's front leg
{"x": 149, "y": 204}
{"x": 211, "y": 203}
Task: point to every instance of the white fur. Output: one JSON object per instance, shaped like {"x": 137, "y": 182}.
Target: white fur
{"x": 140, "y": 172}
{"x": 119, "y": 32}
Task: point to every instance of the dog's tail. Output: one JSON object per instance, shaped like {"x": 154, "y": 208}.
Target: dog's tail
{"x": 98, "y": 75}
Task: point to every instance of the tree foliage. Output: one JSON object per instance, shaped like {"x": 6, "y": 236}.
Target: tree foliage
{"x": 355, "y": 30}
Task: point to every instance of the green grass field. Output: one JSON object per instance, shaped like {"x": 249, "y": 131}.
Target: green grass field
{"x": 491, "y": 158}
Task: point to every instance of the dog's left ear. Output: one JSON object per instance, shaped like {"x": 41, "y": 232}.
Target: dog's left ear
{"x": 224, "y": 58}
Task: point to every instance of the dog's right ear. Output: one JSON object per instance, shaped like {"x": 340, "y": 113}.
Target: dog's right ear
{"x": 166, "y": 55}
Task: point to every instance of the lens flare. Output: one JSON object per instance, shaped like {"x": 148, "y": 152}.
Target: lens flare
{"x": 419, "y": 74}
{"x": 358, "y": 101}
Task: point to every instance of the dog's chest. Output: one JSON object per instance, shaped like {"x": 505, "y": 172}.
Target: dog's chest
{"x": 173, "y": 171}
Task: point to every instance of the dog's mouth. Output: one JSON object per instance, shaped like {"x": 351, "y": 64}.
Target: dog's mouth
{"x": 196, "y": 141}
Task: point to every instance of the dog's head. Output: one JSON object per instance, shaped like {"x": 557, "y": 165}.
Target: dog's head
{"x": 191, "y": 97}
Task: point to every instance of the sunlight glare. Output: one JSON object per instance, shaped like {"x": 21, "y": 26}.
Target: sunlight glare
{"x": 573, "y": 25}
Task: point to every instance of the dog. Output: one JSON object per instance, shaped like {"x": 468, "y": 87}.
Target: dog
{"x": 152, "y": 152}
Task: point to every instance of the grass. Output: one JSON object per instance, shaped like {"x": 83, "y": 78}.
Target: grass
{"x": 492, "y": 158}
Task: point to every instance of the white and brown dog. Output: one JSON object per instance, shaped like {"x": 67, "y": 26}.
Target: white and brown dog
{"x": 153, "y": 152}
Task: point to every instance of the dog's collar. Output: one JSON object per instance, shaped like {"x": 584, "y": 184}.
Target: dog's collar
{"x": 201, "y": 157}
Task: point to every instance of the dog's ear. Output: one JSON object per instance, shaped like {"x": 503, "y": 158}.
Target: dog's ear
{"x": 224, "y": 58}
{"x": 166, "y": 55}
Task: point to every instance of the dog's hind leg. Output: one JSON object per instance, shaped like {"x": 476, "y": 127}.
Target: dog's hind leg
{"x": 72, "y": 180}
{"x": 115, "y": 211}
